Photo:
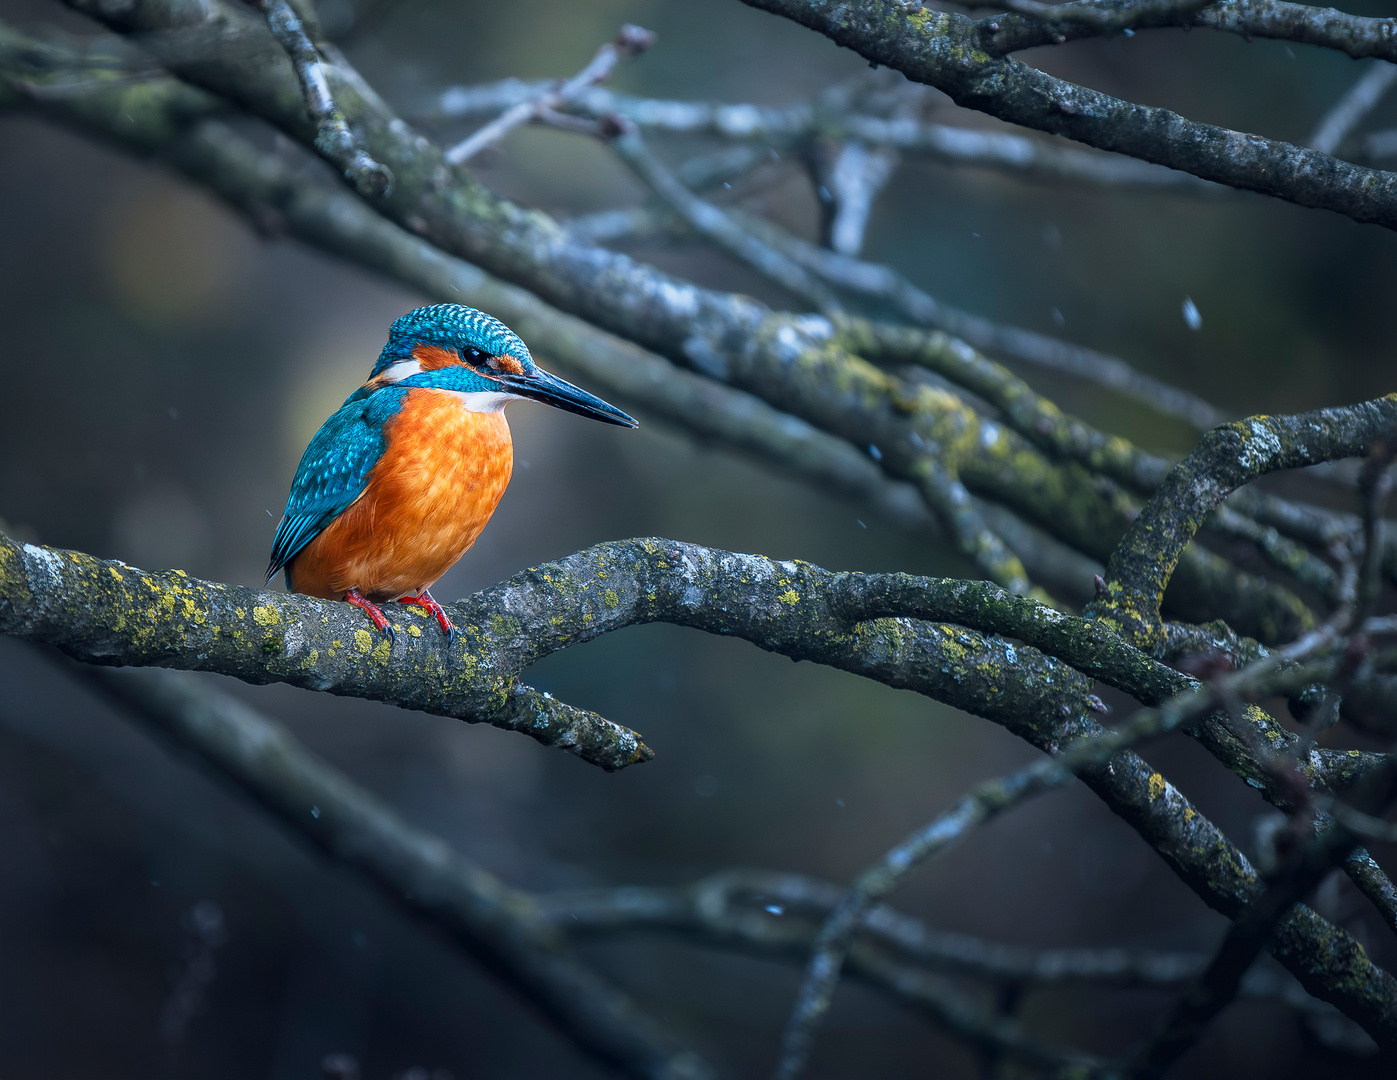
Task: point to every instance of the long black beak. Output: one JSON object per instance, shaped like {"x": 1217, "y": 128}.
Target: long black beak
{"x": 561, "y": 394}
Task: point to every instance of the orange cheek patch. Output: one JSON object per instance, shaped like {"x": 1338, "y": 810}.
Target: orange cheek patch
{"x": 507, "y": 363}
{"x": 435, "y": 357}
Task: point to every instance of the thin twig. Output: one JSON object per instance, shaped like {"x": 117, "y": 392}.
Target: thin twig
{"x": 854, "y": 180}
{"x": 1350, "y": 109}
{"x": 715, "y": 224}
{"x": 779, "y": 914}
{"x": 630, "y": 42}
{"x": 333, "y": 139}
{"x": 791, "y": 128}
{"x": 986, "y": 801}
{"x": 770, "y": 250}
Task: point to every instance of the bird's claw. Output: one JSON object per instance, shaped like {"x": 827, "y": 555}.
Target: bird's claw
{"x": 374, "y": 612}
{"x": 425, "y": 600}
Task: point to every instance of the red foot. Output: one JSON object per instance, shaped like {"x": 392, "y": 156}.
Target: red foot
{"x": 372, "y": 610}
{"x": 426, "y": 600}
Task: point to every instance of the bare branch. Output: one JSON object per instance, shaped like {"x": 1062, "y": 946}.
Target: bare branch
{"x": 1350, "y": 109}
{"x": 966, "y": 60}
{"x": 1327, "y": 28}
{"x": 881, "y": 283}
{"x": 1227, "y": 458}
{"x": 833, "y": 117}
{"x": 778, "y": 915}
{"x": 854, "y": 181}
{"x": 1103, "y": 17}
{"x": 709, "y": 221}
{"x": 334, "y": 139}
{"x": 1219, "y": 984}
{"x": 414, "y": 870}
{"x": 989, "y": 800}
{"x": 629, "y": 43}
{"x": 787, "y": 361}
{"x": 259, "y": 183}
{"x": 942, "y": 489}
{"x": 114, "y": 614}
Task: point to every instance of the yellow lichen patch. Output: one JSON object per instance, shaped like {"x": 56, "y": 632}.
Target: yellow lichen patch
{"x": 384, "y": 651}
{"x": 240, "y": 613}
{"x": 312, "y": 658}
{"x": 790, "y": 596}
{"x": 610, "y": 598}
{"x": 415, "y": 631}
{"x": 363, "y": 641}
{"x": 265, "y": 616}
{"x": 112, "y": 570}
{"x": 1189, "y": 814}
{"x": 1157, "y": 785}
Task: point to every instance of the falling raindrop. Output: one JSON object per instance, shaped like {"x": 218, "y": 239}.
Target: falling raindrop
{"x": 1191, "y": 316}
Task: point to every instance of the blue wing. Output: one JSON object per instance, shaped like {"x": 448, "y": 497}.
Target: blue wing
{"x": 333, "y": 471}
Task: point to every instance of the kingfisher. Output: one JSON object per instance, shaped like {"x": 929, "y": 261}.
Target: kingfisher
{"x": 395, "y": 487}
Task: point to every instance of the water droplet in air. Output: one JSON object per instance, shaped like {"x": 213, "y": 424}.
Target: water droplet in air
{"x": 1192, "y": 318}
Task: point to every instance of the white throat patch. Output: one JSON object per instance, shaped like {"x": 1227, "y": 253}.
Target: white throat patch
{"x": 403, "y": 369}
{"x": 483, "y": 400}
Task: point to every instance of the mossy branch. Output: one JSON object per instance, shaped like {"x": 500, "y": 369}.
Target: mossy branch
{"x": 966, "y": 60}
{"x": 110, "y": 613}
{"x": 1225, "y": 459}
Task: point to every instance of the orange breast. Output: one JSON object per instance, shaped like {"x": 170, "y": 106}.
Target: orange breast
{"x": 441, "y": 475}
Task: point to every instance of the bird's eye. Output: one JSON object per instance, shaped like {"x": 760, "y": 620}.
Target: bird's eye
{"x": 472, "y": 356}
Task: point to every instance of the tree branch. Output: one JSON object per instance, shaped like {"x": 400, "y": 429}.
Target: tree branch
{"x": 966, "y": 60}
{"x": 788, "y": 361}
{"x": 167, "y": 120}
{"x": 1306, "y": 24}
{"x": 630, "y": 42}
{"x": 1348, "y": 112}
{"x": 334, "y": 140}
{"x": 1225, "y": 459}
{"x": 992, "y": 798}
{"x": 414, "y": 870}
{"x": 110, "y": 613}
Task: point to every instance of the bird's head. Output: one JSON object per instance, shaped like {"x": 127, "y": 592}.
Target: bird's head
{"x": 456, "y": 348}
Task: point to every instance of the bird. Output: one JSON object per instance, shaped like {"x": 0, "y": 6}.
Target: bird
{"x": 395, "y": 487}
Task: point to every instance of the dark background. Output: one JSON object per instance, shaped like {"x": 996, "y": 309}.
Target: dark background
{"x": 163, "y": 367}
